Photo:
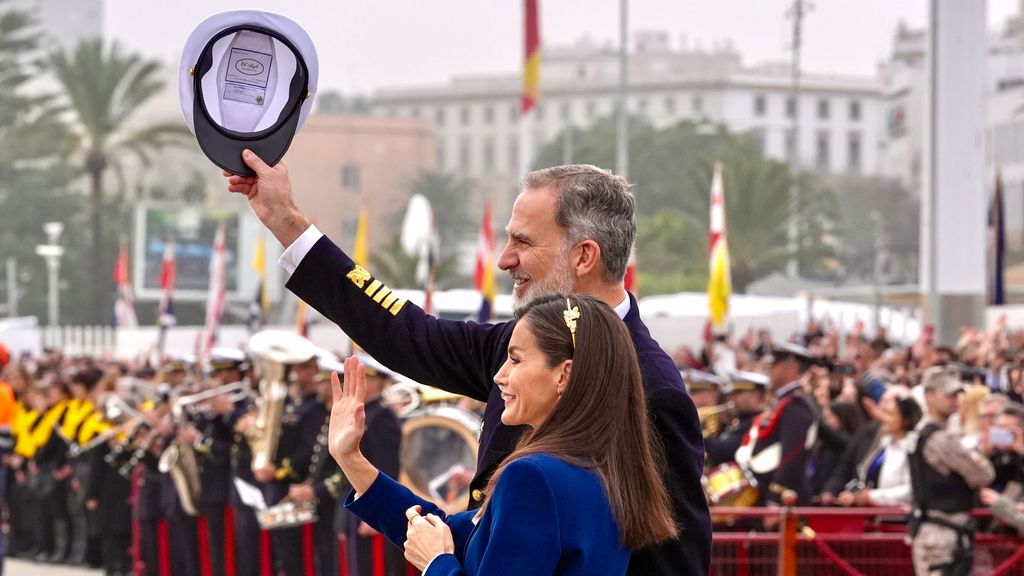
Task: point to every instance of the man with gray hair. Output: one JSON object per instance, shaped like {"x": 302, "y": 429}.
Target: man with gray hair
{"x": 944, "y": 477}
{"x": 571, "y": 230}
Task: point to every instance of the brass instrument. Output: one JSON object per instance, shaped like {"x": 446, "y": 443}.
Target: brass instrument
{"x": 179, "y": 460}
{"x": 115, "y": 409}
{"x": 273, "y": 352}
{"x": 197, "y": 402}
{"x": 714, "y": 419}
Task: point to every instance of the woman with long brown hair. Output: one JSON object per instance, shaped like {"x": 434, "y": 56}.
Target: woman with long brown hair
{"x": 582, "y": 488}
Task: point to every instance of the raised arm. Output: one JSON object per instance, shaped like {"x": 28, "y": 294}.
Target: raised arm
{"x": 460, "y": 357}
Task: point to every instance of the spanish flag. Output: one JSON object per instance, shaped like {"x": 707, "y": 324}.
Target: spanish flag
{"x": 719, "y": 277}
{"x": 483, "y": 274}
{"x": 531, "y": 58}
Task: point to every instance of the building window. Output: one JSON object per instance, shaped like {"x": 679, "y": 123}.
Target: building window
{"x": 790, "y": 107}
{"x": 821, "y": 154}
{"x": 488, "y": 154}
{"x": 822, "y": 109}
{"x": 464, "y": 115}
{"x": 698, "y": 104}
{"x": 488, "y": 115}
{"x": 641, "y": 106}
{"x": 440, "y": 116}
{"x": 414, "y": 112}
{"x": 854, "y": 111}
{"x": 513, "y": 113}
{"x": 566, "y": 111}
{"x": 538, "y": 110}
{"x": 440, "y": 156}
{"x": 591, "y": 108}
{"x": 853, "y": 152}
{"x": 464, "y": 153}
{"x": 670, "y": 105}
{"x": 350, "y": 177}
{"x": 760, "y": 105}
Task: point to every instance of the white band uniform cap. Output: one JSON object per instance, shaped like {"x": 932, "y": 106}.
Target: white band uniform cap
{"x": 246, "y": 80}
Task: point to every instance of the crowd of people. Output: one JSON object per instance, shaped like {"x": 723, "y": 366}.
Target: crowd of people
{"x": 858, "y": 420}
{"x": 89, "y": 463}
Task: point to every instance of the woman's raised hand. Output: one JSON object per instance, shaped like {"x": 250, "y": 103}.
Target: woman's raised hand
{"x": 348, "y": 416}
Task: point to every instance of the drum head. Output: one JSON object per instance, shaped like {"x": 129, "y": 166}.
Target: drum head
{"x": 439, "y": 448}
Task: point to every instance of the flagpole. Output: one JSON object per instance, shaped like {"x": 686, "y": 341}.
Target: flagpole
{"x": 531, "y": 83}
{"x": 622, "y": 121}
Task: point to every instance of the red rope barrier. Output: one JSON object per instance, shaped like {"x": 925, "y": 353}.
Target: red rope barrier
{"x": 1011, "y": 563}
{"x": 836, "y": 558}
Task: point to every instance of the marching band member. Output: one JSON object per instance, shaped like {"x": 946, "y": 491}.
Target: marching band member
{"x": 747, "y": 392}
{"x": 777, "y": 446}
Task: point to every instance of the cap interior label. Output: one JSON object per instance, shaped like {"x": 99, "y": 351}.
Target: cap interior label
{"x": 247, "y": 76}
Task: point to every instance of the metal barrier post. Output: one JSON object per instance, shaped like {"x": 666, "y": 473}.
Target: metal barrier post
{"x": 787, "y": 535}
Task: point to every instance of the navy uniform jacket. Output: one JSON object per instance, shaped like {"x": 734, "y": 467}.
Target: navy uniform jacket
{"x": 787, "y": 424}
{"x": 300, "y": 426}
{"x": 546, "y": 517}
{"x": 463, "y": 357}
{"x": 722, "y": 448}
{"x": 213, "y": 457}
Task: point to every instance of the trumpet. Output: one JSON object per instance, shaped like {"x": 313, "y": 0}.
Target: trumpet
{"x": 196, "y": 403}
{"x": 714, "y": 418}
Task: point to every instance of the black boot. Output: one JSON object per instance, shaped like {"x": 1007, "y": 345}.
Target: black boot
{"x": 79, "y": 541}
{"x": 60, "y": 541}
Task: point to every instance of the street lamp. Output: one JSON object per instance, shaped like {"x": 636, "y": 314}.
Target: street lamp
{"x": 51, "y": 253}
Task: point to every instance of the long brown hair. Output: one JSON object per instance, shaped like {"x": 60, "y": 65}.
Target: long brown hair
{"x": 600, "y": 422}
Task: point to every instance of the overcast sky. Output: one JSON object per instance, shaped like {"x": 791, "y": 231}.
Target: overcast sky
{"x": 365, "y": 44}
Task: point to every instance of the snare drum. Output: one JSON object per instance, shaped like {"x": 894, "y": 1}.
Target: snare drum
{"x": 287, "y": 515}
{"x": 439, "y": 448}
{"x": 730, "y": 485}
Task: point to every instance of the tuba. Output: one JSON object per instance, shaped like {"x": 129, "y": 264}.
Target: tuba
{"x": 273, "y": 352}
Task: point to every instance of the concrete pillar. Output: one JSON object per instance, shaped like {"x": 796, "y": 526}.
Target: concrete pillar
{"x": 954, "y": 195}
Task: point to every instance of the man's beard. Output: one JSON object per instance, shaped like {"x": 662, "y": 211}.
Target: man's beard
{"x": 559, "y": 281}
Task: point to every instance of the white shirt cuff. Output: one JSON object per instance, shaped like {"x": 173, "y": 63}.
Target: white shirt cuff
{"x": 293, "y": 255}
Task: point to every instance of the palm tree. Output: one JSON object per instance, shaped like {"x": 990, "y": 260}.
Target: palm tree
{"x": 759, "y": 210}
{"x": 104, "y": 87}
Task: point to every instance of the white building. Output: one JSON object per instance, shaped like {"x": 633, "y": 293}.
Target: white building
{"x": 905, "y": 78}
{"x": 841, "y": 118}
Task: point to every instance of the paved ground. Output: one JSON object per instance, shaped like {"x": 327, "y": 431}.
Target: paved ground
{"x": 25, "y": 568}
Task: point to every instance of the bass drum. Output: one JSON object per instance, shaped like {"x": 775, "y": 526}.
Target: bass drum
{"x": 439, "y": 447}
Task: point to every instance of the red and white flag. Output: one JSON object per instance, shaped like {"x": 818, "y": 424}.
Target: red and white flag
{"x": 215, "y": 296}
{"x": 124, "y": 306}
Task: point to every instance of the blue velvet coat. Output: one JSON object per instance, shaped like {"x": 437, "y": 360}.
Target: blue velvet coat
{"x": 546, "y": 517}
{"x": 463, "y": 357}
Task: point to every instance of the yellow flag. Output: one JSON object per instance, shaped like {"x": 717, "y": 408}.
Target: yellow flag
{"x": 259, "y": 264}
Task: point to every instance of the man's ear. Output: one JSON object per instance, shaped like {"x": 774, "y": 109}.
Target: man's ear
{"x": 586, "y": 257}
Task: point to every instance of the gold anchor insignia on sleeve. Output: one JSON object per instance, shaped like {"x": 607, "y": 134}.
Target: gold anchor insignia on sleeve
{"x": 359, "y": 276}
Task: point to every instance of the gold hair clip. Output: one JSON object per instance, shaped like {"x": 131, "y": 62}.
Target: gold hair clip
{"x": 571, "y": 315}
